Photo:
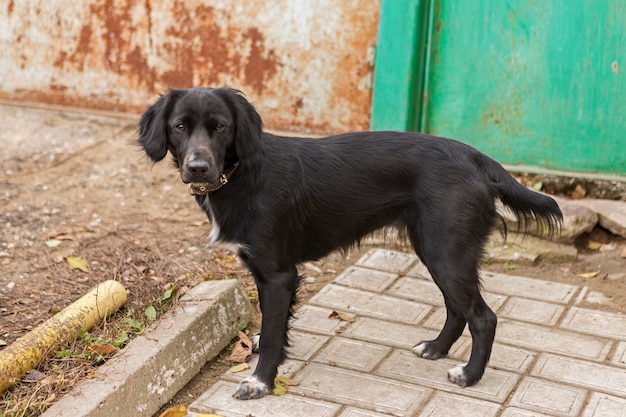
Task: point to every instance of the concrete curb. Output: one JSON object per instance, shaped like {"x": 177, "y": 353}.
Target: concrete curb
{"x": 154, "y": 366}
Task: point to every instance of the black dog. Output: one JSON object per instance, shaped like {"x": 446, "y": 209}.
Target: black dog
{"x": 284, "y": 201}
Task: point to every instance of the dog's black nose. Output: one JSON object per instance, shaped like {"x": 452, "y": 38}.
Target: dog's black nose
{"x": 198, "y": 168}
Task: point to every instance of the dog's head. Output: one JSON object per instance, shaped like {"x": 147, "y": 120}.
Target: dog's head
{"x": 205, "y": 130}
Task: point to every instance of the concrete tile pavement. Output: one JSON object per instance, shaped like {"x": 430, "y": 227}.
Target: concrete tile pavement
{"x": 551, "y": 357}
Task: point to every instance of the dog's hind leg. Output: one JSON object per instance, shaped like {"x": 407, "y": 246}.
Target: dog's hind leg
{"x": 277, "y": 294}
{"x": 463, "y": 304}
{"x": 452, "y": 330}
{"x": 482, "y": 323}
{"x": 452, "y": 259}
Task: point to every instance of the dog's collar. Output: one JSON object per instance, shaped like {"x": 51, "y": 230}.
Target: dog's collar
{"x": 203, "y": 188}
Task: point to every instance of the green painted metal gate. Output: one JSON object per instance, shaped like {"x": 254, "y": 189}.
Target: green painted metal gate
{"x": 536, "y": 84}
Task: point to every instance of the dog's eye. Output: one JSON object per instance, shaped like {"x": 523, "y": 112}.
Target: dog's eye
{"x": 219, "y": 127}
{"x": 181, "y": 127}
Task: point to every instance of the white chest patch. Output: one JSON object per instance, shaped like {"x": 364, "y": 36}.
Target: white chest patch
{"x": 214, "y": 236}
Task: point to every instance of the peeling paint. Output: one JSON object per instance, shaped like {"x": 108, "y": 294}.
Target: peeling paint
{"x": 305, "y": 65}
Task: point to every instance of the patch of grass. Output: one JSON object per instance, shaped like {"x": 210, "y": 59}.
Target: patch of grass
{"x": 78, "y": 360}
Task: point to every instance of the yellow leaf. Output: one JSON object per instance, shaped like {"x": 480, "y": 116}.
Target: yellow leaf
{"x": 240, "y": 368}
{"x": 279, "y": 389}
{"x": 588, "y": 275}
{"x": 287, "y": 381}
{"x": 594, "y": 245}
{"x": 76, "y": 262}
{"x": 343, "y": 316}
{"x": 53, "y": 243}
{"x": 177, "y": 411}
{"x": 282, "y": 384}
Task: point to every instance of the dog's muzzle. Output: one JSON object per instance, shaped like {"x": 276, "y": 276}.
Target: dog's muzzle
{"x": 203, "y": 188}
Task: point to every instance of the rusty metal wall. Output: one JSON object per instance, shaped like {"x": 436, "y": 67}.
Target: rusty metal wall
{"x": 305, "y": 64}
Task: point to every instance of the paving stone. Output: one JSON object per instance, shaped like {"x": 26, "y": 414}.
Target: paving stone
{"x": 603, "y": 405}
{"x": 532, "y": 311}
{"x": 508, "y": 358}
{"x": 304, "y": 345}
{"x": 594, "y": 297}
{"x": 619, "y": 358}
{"x": 425, "y": 291}
{"x": 356, "y": 412}
{"x": 403, "y": 365}
{"x": 445, "y": 405}
{"x": 219, "y": 400}
{"x": 417, "y": 290}
{"x": 370, "y": 304}
{"x": 549, "y": 397}
{"x": 316, "y": 319}
{"x": 419, "y": 270}
{"x": 387, "y": 260}
{"x": 398, "y": 335}
{"x": 352, "y": 354}
{"x": 528, "y": 287}
{"x": 595, "y": 376}
{"x": 546, "y": 339}
{"x": 517, "y": 412}
{"x": 362, "y": 390}
{"x": 514, "y": 285}
{"x": 366, "y": 278}
{"x": 596, "y": 322}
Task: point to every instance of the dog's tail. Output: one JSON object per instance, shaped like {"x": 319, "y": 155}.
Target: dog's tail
{"x": 529, "y": 207}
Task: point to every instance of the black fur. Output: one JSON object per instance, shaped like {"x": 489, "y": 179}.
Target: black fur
{"x": 292, "y": 200}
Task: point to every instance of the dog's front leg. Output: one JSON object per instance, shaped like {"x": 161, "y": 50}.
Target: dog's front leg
{"x": 276, "y": 296}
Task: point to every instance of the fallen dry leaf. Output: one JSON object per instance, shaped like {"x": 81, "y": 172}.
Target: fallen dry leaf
{"x": 588, "y": 275}
{"x": 579, "y": 192}
{"x": 177, "y": 411}
{"x": 53, "y": 243}
{"x": 282, "y": 384}
{"x": 287, "y": 381}
{"x": 242, "y": 349}
{"x": 240, "y": 368}
{"x": 342, "y": 315}
{"x": 593, "y": 245}
{"x": 76, "y": 262}
{"x": 59, "y": 235}
{"x": 102, "y": 349}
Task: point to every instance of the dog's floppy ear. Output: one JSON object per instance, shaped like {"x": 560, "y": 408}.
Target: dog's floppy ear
{"x": 153, "y": 126}
{"x": 248, "y": 123}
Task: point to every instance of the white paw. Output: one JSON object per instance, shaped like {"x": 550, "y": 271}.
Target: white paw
{"x": 457, "y": 375}
{"x": 251, "y": 388}
{"x": 419, "y": 349}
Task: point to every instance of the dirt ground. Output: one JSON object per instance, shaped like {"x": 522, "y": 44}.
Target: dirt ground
{"x": 76, "y": 185}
